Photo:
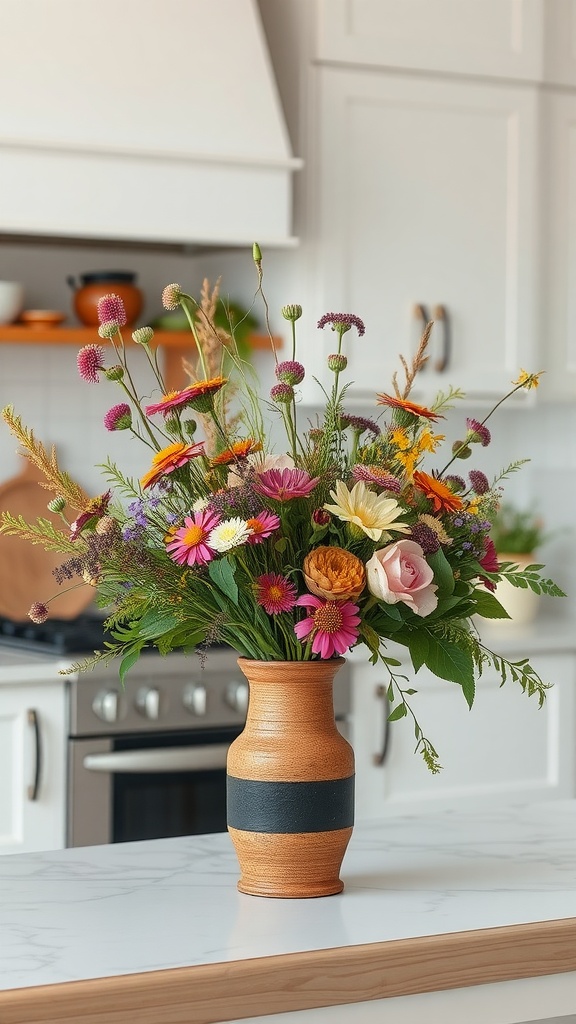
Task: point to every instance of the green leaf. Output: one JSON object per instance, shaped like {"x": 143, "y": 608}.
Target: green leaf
{"x": 443, "y": 574}
{"x": 154, "y": 624}
{"x": 221, "y": 573}
{"x": 399, "y": 712}
{"x": 452, "y": 662}
{"x": 418, "y": 646}
{"x": 488, "y": 606}
{"x": 279, "y": 546}
{"x": 128, "y": 661}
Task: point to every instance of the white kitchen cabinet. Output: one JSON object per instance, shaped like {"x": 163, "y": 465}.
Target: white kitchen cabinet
{"x": 32, "y": 767}
{"x": 504, "y": 750}
{"x": 558, "y": 323}
{"x": 427, "y": 195}
{"x": 500, "y": 38}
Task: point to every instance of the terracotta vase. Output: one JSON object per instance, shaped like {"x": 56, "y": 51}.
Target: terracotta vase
{"x": 94, "y": 285}
{"x": 290, "y": 782}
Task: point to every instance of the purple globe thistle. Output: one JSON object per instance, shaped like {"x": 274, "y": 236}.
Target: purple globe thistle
{"x": 89, "y": 361}
{"x": 290, "y": 371}
{"x": 425, "y": 537}
{"x": 478, "y": 433}
{"x": 38, "y": 612}
{"x": 111, "y": 307}
{"x": 171, "y": 296}
{"x": 342, "y": 322}
{"x": 119, "y": 417}
{"x": 282, "y": 394}
{"x": 360, "y": 424}
{"x": 479, "y": 481}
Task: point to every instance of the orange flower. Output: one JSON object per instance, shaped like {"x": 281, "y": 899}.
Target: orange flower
{"x": 236, "y": 451}
{"x": 169, "y": 459}
{"x": 334, "y": 574}
{"x": 438, "y": 493}
{"x": 406, "y": 406}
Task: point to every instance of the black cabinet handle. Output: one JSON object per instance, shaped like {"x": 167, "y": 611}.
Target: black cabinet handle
{"x": 440, "y": 314}
{"x": 34, "y": 788}
{"x": 379, "y": 758}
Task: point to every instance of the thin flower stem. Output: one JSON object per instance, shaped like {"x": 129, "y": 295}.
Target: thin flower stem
{"x": 482, "y": 422}
{"x": 190, "y": 319}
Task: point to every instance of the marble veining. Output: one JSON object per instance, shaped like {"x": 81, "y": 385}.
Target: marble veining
{"x": 112, "y": 910}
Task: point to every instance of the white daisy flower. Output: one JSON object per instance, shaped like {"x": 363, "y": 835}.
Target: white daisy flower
{"x": 229, "y": 534}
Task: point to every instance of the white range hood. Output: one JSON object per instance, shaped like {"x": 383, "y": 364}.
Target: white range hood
{"x": 152, "y": 120}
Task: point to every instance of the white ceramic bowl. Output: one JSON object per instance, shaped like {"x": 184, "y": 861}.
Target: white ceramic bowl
{"x": 11, "y": 301}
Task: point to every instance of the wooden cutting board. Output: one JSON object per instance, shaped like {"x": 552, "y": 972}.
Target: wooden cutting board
{"x": 25, "y": 568}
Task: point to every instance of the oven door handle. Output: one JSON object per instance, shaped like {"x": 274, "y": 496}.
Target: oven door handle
{"x": 163, "y": 759}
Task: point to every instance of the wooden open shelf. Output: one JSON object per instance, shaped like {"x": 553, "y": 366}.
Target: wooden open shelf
{"x": 175, "y": 344}
{"x": 23, "y": 335}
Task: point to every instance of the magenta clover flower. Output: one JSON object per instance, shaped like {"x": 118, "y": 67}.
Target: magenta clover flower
{"x": 111, "y": 307}
{"x": 119, "y": 417}
{"x": 89, "y": 361}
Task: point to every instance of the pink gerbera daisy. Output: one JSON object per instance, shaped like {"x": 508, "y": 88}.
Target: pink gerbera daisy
{"x": 89, "y": 360}
{"x": 333, "y": 626}
{"x": 285, "y": 484}
{"x": 188, "y": 546}
{"x": 275, "y": 593}
{"x": 262, "y": 526}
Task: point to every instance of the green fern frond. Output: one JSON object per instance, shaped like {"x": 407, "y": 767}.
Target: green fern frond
{"x": 529, "y": 579}
{"x": 446, "y": 400}
{"x": 512, "y": 468}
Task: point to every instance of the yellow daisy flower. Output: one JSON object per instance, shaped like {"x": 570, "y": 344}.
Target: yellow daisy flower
{"x": 528, "y": 380}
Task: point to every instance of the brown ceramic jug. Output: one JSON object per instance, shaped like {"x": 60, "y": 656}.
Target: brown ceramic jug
{"x": 94, "y": 285}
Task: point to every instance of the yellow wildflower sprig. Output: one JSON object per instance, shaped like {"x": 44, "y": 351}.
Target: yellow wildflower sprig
{"x": 56, "y": 479}
{"x": 42, "y": 532}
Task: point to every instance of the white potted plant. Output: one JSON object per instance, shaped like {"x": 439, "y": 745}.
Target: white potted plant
{"x": 517, "y": 534}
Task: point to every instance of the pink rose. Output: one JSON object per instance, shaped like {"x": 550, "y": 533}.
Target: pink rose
{"x": 399, "y": 572}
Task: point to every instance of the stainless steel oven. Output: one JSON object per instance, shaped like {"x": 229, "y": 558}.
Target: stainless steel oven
{"x": 148, "y": 760}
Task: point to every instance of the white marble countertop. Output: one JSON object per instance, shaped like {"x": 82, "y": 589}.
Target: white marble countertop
{"x": 105, "y": 911}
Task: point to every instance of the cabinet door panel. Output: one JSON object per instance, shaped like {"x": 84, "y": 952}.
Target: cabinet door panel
{"x": 483, "y": 37}
{"x": 32, "y": 821}
{"x": 427, "y": 195}
{"x": 505, "y": 749}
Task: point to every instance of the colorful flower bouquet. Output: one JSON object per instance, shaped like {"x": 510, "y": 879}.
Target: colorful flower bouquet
{"x": 340, "y": 539}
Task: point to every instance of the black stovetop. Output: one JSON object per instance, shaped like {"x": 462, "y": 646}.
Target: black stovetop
{"x": 55, "y": 636}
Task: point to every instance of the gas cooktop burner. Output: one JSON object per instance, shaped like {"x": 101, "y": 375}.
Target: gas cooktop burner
{"x": 55, "y": 636}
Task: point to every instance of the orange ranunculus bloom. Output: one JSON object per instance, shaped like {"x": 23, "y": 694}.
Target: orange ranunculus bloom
{"x": 438, "y": 493}
{"x": 334, "y": 574}
{"x": 169, "y": 459}
{"x": 406, "y": 406}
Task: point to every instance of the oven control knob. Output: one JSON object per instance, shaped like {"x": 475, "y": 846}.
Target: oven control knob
{"x": 194, "y": 698}
{"x": 106, "y": 705}
{"x": 148, "y": 703}
{"x": 237, "y": 697}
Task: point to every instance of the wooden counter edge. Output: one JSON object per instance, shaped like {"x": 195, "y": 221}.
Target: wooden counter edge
{"x": 205, "y": 994}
